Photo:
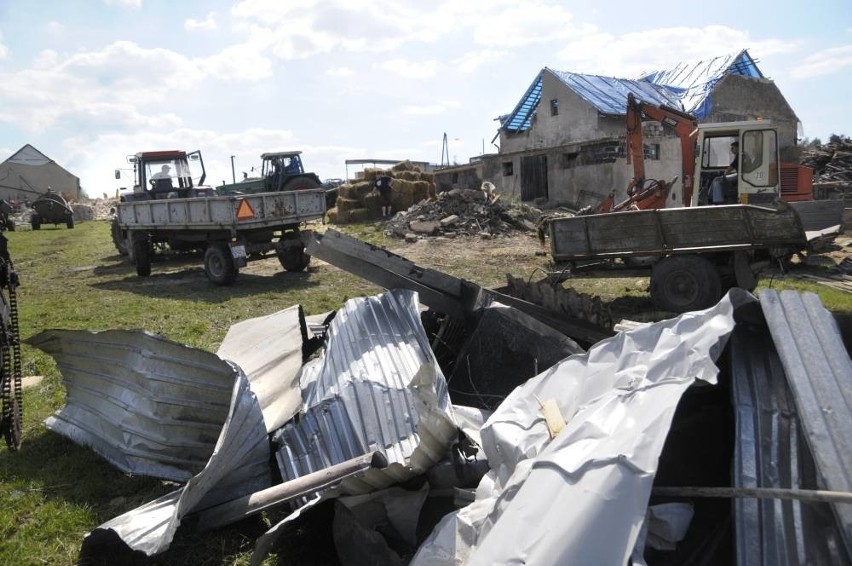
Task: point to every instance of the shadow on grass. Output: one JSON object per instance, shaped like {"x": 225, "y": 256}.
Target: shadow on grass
{"x": 185, "y": 279}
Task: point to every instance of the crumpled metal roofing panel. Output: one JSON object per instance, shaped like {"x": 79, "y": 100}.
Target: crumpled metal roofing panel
{"x": 771, "y": 453}
{"x": 376, "y": 387}
{"x": 146, "y": 404}
{"x": 269, "y": 350}
{"x": 618, "y": 400}
{"x": 696, "y": 80}
{"x": 819, "y": 373}
{"x": 239, "y": 466}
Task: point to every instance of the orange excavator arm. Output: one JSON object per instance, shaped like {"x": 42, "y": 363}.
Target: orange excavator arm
{"x": 684, "y": 126}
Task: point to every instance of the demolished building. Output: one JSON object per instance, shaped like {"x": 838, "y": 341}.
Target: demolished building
{"x": 564, "y": 142}
{"x": 507, "y": 433}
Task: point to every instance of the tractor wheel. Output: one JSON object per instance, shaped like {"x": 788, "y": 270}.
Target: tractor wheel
{"x": 300, "y": 184}
{"x": 142, "y": 256}
{"x": 35, "y": 221}
{"x": 292, "y": 256}
{"x": 219, "y": 264}
{"x": 683, "y": 283}
{"x": 70, "y": 222}
{"x": 119, "y": 242}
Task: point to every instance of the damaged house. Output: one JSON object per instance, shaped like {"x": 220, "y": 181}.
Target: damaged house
{"x": 564, "y": 142}
{"x": 28, "y": 173}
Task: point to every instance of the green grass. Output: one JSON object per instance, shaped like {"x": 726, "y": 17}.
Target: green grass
{"x": 52, "y": 492}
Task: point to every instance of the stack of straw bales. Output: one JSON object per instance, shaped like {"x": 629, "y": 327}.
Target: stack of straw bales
{"x": 359, "y": 201}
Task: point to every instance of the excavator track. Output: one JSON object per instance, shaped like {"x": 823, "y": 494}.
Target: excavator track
{"x": 11, "y": 388}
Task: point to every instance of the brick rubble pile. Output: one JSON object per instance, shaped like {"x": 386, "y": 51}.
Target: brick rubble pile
{"x": 463, "y": 212}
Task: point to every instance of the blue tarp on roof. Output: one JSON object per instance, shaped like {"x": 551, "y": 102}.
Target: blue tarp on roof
{"x": 607, "y": 94}
{"x": 686, "y": 87}
{"x": 696, "y": 80}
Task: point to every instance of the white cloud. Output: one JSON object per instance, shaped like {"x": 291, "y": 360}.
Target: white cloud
{"x": 207, "y": 24}
{"x": 125, "y": 3}
{"x": 430, "y": 109}
{"x": 471, "y": 61}
{"x": 340, "y": 72}
{"x": 55, "y": 27}
{"x": 632, "y": 54}
{"x": 826, "y": 62}
{"x": 4, "y": 51}
{"x": 410, "y": 69}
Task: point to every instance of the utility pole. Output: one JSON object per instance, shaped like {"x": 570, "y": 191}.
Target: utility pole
{"x": 233, "y": 174}
{"x": 445, "y": 152}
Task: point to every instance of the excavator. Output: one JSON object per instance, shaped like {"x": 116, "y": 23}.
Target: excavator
{"x": 767, "y": 180}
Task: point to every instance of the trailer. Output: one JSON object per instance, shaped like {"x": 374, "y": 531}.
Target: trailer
{"x": 693, "y": 255}
{"x": 229, "y": 230}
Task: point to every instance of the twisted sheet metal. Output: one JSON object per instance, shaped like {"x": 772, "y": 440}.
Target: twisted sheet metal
{"x": 819, "y": 373}
{"x": 771, "y": 453}
{"x": 239, "y": 466}
{"x": 376, "y": 387}
{"x": 146, "y": 404}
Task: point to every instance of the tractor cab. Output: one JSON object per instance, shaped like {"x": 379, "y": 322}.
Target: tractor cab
{"x": 166, "y": 174}
{"x": 279, "y": 167}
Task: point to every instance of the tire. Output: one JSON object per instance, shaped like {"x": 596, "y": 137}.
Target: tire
{"x": 292, "y": 256}
{"x": 70, "y": 222}
{"x": 10, "y": 225}
{"x": 142, "y": 256}
{"x": 35, "y": 221}
{"x": 683, "y": 283}
{"x": 301, "y": 184}
{"x": 117, "y": 240}
{"x": 219, "y": 265}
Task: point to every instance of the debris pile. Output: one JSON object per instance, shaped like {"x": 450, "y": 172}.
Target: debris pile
{"x": 463, "y": 212}
{"x": 832, "y": 165}
{"x": 359, "y": 202}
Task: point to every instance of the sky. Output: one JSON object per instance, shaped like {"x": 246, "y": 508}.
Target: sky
{"x": 90, "y": 82}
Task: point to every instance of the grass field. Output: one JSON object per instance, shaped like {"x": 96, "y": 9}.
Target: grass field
{"x": 52, "y": 491}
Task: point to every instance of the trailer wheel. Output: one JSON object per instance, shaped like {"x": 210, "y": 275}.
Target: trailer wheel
{"x": 119, "y": 242}
{"x": 142, "y": 256}
{"x": 683, "y": 283}
{"x": 35, "y": 221}
{"x": 219, "y": 265}
{"x": 292, "y": 256}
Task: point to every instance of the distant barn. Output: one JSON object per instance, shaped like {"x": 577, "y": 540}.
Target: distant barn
{"x": 29, "y": 173}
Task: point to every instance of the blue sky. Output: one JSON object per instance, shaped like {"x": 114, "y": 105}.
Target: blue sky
{"x": 90, "y": 82}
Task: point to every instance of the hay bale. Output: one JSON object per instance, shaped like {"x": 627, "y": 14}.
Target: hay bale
{"x": 347, "y": 204}
{"x": 359, "y": 215}
{"x": 373, "y": 201}
{"x": 403, "y": 187}
{"x": 372, "y": 173}
{"x": 422, "y": 190}
{"x": 404, "y": 166}
{"x": 361, "y": 190}
{"x": 428, "y": 177}
{"x": 409, "y": 175}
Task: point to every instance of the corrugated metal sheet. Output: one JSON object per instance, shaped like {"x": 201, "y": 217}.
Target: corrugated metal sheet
{"x": 770, "y": 452}
{"x": 269, "y": 350}
{"x": 377, "y": 387}
{"x": 694, "y": 81}
{"x": 819, "y": 373}
{"x": 238, "y": 467}
{"x": 581, "y": 498}
{"x": 148, "y": 405}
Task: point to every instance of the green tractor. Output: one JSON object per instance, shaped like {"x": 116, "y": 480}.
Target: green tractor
{"x": 281, "y": 171}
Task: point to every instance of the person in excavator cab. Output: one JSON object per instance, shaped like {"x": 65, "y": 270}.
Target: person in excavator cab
{"x": 723, "y": 189}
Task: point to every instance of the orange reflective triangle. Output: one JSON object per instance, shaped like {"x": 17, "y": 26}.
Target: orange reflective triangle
{"x": 244, "y": 211}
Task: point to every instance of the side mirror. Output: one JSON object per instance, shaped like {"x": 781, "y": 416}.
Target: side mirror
{"x": 117, "y": 174}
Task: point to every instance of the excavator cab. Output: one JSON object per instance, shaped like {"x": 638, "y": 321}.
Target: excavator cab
{"x": 753, "y": 148}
